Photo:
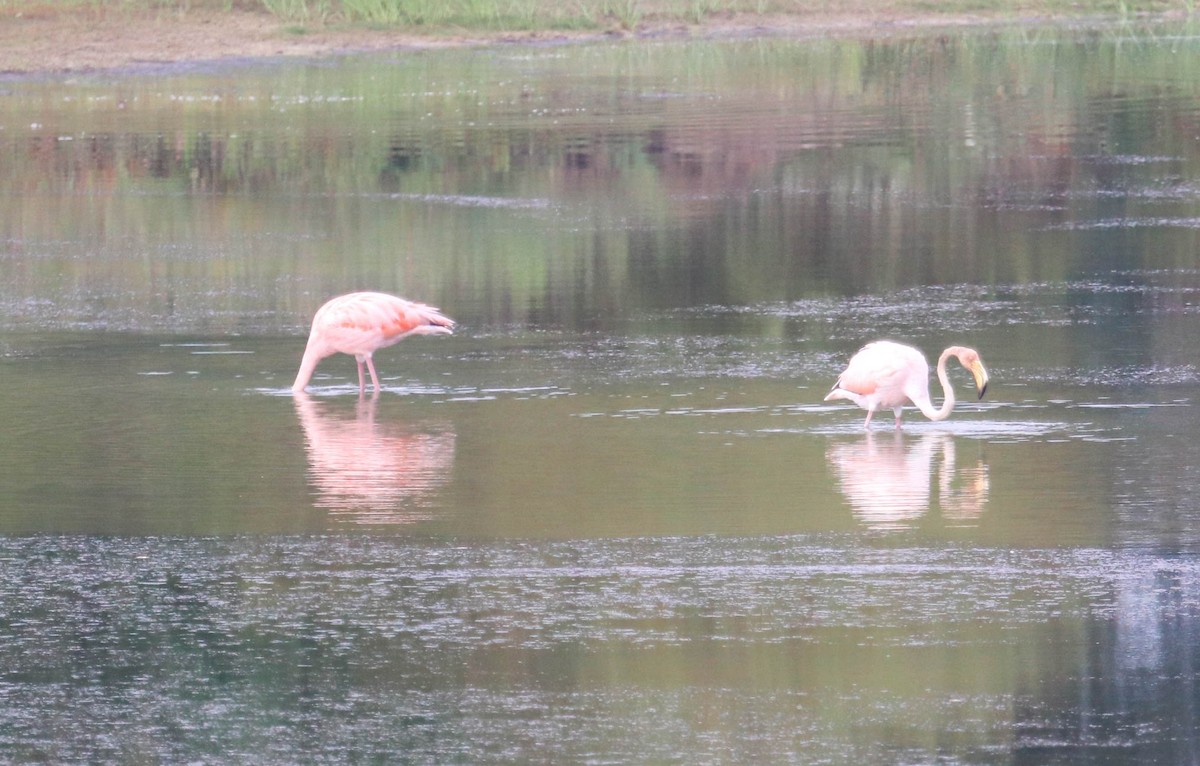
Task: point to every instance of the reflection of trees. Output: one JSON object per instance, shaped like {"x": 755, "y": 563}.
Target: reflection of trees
{"x": 372, "y": 474}
{"x": 725, "y": 175}
{"x": 887, "y": 479}
{"x": 1134, "y": 687}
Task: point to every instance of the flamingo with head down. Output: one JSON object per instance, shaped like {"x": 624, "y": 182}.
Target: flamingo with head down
{"x": 360, "y": 324}
{"x": 887, "y": 375}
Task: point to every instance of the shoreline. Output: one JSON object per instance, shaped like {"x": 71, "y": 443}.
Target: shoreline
{"x": 76, "y": 43}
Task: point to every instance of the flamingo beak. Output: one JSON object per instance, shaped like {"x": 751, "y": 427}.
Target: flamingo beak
{"x": 981, "y": 377}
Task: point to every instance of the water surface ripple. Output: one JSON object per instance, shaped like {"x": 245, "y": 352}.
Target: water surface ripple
{"x": 165, "y": 648}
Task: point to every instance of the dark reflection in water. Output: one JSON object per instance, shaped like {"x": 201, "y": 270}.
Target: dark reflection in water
{"x": 370, "y": 473}
{"x": 820, "y": 648}
{"x": 580, "y": 189}
{"x": 888, "y": 479}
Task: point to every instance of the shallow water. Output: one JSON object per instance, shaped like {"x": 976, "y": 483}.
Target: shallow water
{"x": 823, "y": 647}
{"x": 611, "y": 518}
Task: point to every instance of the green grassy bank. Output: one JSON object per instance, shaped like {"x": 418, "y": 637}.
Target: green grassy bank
{"x": 549, "y": 15}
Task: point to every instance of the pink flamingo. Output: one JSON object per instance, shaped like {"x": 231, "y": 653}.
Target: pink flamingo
{"x": 361, "y": 323}
{"x": 889, "y": 375}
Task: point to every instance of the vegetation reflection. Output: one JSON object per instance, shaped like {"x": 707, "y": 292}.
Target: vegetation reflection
{"x": 594, "y": 189}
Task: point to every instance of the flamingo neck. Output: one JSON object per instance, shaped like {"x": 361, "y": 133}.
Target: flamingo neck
{"x": 308, "y": 365}
{"x": 926, "y": 406}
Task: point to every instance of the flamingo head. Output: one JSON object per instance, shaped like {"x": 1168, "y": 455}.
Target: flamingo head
{"x": 969, "y": 358}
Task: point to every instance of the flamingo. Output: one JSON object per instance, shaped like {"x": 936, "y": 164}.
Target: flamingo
{"x": 362, "y": 323}
{"x": 886, "y": 374}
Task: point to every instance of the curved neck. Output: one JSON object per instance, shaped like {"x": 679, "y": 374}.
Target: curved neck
{"x": 947, "y": 407}
{"x": 308, "y": 366}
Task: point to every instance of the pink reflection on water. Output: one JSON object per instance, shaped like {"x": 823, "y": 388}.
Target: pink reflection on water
{"x": 888, "y": 479}
{"x": 365, "y": 472}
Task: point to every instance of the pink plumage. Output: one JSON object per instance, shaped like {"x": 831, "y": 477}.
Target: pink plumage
{"x": 359, "y": 324}
{"x": 887, "y": 375}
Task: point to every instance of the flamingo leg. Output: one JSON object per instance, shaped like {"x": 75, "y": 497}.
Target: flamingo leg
{"x": 897, "y": 418}
{"x": 361, "y": 385}
{"x": 374, "y": 377}
{"x": 867, "y": 422}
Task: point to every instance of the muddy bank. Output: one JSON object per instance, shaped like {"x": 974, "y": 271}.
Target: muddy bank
{"x": 78, "y": 42}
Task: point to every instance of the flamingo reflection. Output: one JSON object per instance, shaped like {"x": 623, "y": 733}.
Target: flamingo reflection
{"x": 888, "y": 479}
{"x": 365, "y": 473}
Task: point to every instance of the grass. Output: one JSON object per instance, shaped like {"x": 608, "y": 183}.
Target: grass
{"x": 430, "y": 15}
{"x": 525, "y": 15}
{"x": 477, "y": 14}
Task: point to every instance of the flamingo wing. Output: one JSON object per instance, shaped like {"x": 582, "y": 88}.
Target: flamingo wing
{"x": 360, "y": 323}
{"x": 884, "y": 371}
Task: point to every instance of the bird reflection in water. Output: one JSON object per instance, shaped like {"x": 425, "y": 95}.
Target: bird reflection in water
{"x": 365, "y": 473}
{"x": 888, "y": 479}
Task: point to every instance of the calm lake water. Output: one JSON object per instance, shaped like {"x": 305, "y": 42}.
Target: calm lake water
{"x": 611, "y": 519}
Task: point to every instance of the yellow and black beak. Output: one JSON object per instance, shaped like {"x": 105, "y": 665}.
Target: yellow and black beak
{"x": 981, "y": 377}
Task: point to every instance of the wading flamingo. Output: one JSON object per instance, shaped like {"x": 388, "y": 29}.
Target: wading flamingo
{"x": 361, "y": 323}
{"x": 889, "y": 375}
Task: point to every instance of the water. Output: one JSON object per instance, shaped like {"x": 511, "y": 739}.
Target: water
{"x": 610, "y": 519}
{"x": 385, "y": 648}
